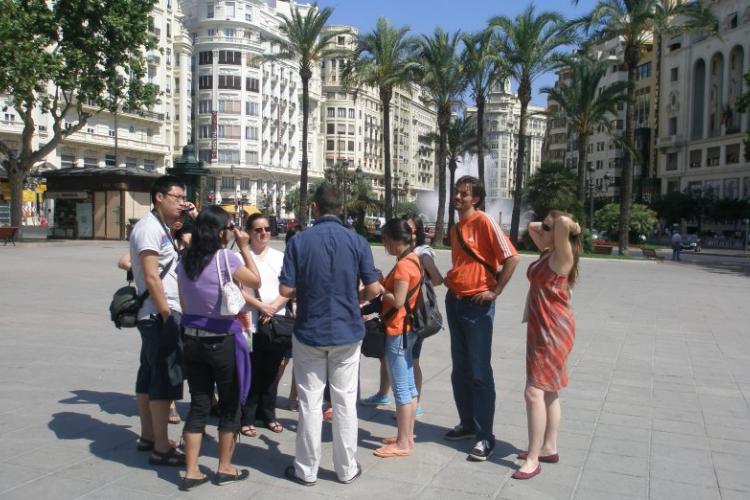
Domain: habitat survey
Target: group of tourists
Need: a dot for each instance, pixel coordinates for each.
(210, 294)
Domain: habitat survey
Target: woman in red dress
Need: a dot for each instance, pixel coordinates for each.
(550, 333)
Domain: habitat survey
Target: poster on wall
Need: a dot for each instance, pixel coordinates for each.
(84, 220)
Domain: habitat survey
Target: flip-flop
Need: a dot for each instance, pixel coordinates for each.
(393, 440)
(275, 426)
(248, 431)
(384, 453)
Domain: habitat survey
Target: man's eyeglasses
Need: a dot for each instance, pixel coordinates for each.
(261, 230)
(545, 227)
(178, 197)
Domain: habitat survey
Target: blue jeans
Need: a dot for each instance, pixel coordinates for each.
(470, 326)
(399, 363)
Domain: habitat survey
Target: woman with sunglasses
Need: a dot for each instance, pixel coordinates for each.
(214, 346)
(550, 334)
(265, 303)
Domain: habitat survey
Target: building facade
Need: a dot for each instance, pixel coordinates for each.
(352, 126)
(700, 140)
(502, 117)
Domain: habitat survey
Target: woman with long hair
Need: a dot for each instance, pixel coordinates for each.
(550, 334)
(401, 285)
(266, 303)
(215, 348)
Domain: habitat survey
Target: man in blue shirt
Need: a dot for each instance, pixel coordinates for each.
(323, 268)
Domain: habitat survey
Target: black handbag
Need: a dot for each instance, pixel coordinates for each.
(275, 335)
(373, 345)
(126, 302)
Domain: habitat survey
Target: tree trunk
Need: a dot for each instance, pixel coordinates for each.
(626, 181)
(480, 139)
(444, 118)
(302, 215)
(385, 100)
(583, 140)
(452, 165)
(16, 175)
(524, 94)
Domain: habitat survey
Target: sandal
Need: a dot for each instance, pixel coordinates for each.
(143, 444)
(275, 426)
(248, 431)
(189, 483)
(171, 458)
(222, 478)
(385, 452)
(174, 417)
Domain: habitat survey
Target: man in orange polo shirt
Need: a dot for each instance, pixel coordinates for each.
(483, 262)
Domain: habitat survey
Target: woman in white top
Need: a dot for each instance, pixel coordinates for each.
(265, 302)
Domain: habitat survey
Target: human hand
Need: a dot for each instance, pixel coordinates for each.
(241, 238)
(190, 210)
(482, 297)
(265, 319)
(165, 314)
(267, 309)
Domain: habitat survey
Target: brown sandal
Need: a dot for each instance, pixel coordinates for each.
(275, 426)
(248, 431)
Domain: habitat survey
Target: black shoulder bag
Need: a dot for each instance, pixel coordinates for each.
(126, 302)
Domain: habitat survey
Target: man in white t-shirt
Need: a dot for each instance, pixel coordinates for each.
(154, 260)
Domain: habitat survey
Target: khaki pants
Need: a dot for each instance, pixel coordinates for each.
(311, 364)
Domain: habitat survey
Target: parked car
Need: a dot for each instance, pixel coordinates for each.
(691, 242)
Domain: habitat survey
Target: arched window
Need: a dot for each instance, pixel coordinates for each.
(699, 99)
(732, 117)
(716, 95)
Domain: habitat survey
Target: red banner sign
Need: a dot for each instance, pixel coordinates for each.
(214, 135)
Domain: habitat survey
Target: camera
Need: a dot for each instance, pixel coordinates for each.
(231, 225)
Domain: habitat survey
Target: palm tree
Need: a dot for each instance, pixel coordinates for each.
(587, 107)
(440, 74)
(383, 59)
(463, 139)
(303, 40)
(530, 43)
(483, 67)
(636, 23)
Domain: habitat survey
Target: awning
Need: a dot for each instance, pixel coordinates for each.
(247, 209)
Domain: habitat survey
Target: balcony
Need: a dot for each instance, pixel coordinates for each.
(672, 141)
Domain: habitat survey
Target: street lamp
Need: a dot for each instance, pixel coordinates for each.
(395, 193)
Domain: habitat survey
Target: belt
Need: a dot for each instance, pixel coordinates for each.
(197, 332)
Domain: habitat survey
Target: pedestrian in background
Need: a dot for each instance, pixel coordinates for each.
(550, 333)
(323, 267)
(676, 244)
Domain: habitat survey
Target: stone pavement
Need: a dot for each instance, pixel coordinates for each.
(657, 405)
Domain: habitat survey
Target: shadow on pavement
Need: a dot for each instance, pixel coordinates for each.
(114, 403)
(737, 266)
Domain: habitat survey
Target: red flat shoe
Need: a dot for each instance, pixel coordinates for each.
(550, 459)
(527, 475)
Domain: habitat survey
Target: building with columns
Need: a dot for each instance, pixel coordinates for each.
(700, 139)
(502, 117)
(352, 127)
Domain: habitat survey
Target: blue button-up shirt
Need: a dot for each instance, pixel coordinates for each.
(325, 264)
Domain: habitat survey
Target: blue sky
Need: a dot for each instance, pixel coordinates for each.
(422, 16)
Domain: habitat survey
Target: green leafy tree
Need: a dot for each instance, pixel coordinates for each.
(551, 187)
(642, 220)
(384, 60)
(636, 23)
(70, 60)
(482, 67)
(440, 73)
(586, 107)
(530, 42)
(463, 139)
(304, 41)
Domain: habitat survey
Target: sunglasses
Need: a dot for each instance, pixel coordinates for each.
(545, 227)
(260, 230)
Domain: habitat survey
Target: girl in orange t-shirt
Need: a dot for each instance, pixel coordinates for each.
(405, 276)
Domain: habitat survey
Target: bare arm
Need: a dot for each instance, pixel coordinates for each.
(509, 266)
(398, 296)
(371, 291)
(562, 259)
(431, 269)
(535, 232)
(286, 291)
(124, 262)
(150, 262)
(248, 274)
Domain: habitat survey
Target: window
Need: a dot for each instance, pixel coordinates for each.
(206, 81)
(230, 57)
(204, 131)
(712, 157)
(252, 84)
(91, 162)
(204, 106)
(67, 161)
(210, 10)
(643, 71)
(350, 146)
(227, 182)
(205, 155)
(149, 165)
(229, 10)
(671, 161)
(341, 113)
(169, 30)
(674, 74)
(340, 40)
(131, 162)
(230, 32)
(351, 113)
(229, 156)
(230, 82)
(732, 188)
(109, 161)
(732, 155)
(331, 112)
(330, 145)
(673, 125)
(696, 158)
(233, 107)
(251, 133)
(251, 156)
(330, 128)
(252, 108)
(206, 57)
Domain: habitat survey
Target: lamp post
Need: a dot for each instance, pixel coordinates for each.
(395, 194)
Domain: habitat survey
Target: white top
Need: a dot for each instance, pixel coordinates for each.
(150, 234)
(269, 266)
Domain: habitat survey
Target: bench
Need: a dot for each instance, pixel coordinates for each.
(603, 249)
(650, 253)
(8, 235)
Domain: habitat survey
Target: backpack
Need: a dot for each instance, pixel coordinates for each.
(123, 310)
(425, 319)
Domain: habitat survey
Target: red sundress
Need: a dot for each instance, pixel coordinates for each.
(551, 327)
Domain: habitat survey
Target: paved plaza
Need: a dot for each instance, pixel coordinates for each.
(657, 405)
